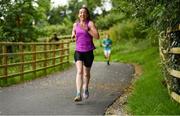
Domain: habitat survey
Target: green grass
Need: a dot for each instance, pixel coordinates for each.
(149, 95)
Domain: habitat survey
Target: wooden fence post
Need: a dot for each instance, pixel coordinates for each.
(22, 61)
(62, 51)
(54, 54)
(68, 51)
(45, 57)
(169, 48)
(34, 59)
(33, 62)
(4, 63)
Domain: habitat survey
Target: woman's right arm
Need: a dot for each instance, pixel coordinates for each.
(73, 35)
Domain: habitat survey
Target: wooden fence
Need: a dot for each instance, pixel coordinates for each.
(18, 58)
(169, 47)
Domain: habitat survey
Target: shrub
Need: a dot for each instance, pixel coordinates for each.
(130, 29)
(49, 30)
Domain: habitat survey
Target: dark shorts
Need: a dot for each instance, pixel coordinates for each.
(86, 57)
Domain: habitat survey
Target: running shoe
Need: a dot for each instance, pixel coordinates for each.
(78, 98)
(86, 94)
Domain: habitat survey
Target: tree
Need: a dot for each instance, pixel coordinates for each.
(19, 19)
(158, 13)
(57, 15)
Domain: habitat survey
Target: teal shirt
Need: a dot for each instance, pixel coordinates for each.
(107, 43)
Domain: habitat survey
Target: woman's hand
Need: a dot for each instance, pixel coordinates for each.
(93, 30)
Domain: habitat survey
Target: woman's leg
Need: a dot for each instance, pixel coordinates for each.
(105, 54)
(79, 75)
(109, 54)
(86, 79)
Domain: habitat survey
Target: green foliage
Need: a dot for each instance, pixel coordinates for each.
(151, 17)
(107, 21)
(171, 14)
(2, 34)
(152, 35)
(63, 29)
(73, 8)
(18, 20)
(57, 15)
(130, 29)
(160, 14)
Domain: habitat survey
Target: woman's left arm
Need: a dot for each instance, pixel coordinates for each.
(93, 30)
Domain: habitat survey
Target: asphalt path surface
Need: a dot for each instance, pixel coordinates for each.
(54, 94)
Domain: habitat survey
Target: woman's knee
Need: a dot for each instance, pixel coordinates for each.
(86, 73)
(80, 72)
(79, 68)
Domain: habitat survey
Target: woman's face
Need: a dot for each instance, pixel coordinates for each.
(83, 14)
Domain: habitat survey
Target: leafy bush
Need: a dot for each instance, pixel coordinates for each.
(130, 29)
(104, 22)
(58, 29)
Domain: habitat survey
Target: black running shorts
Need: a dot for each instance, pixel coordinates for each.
(86, 57)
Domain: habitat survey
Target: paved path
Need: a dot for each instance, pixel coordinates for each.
(54, 94)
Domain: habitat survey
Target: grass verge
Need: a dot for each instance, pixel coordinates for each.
(149, 96)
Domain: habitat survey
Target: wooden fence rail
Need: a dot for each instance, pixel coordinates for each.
(18, 58)
(169, 47)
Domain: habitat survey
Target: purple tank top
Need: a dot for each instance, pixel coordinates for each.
(84, 41)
